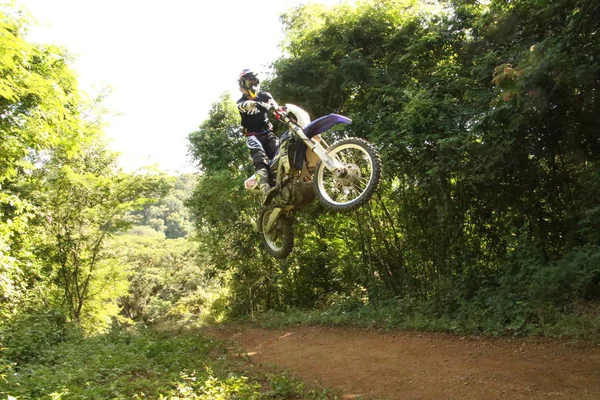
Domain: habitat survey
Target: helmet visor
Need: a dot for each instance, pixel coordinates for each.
(250, 83)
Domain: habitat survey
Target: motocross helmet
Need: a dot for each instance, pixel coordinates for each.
(249, 83)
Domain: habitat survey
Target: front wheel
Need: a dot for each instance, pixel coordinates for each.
(353, 185)
(279, 240)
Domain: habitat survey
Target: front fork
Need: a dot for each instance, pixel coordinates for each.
(331, 163)
(273, 219)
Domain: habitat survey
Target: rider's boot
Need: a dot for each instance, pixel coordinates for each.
(263, 183)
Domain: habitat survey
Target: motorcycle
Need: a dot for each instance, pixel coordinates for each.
(342, 176)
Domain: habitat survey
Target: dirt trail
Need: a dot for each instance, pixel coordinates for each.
(409, 366)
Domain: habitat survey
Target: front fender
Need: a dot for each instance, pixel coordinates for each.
(301, 116)
(325, 123)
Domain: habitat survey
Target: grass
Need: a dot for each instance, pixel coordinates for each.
(147, 365)
(150, 364)
(581, 324)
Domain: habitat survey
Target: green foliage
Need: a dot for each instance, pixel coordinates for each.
(38, 96)
(284, 386)
(168, 213)
(39, 110)
(147, 364)
(485, 116)
(61, 197)
(166, 282)
(103, 197)
(218, 144)
(33, 330)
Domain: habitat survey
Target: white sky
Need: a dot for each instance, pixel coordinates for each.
(166, 61)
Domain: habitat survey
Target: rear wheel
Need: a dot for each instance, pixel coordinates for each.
(279, 240)
(353, 185)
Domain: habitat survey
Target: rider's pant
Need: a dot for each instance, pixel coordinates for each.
(263, 148)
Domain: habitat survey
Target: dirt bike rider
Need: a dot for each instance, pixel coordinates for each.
(253, 107)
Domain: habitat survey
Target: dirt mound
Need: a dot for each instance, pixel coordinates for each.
(399, 365)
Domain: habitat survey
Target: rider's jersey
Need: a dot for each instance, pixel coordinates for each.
(255, 116)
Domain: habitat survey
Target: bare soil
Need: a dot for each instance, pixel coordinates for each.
(367, 364)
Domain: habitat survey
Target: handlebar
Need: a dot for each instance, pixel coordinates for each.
(281, 114)
(291, 115)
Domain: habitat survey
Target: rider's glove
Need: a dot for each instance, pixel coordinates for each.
(268, 106)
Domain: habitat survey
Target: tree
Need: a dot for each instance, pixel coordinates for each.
(218, 144)
(88, 199)
(484, 119)
(169, 214)
(39, 110)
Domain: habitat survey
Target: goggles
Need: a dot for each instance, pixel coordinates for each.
(250, 83)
